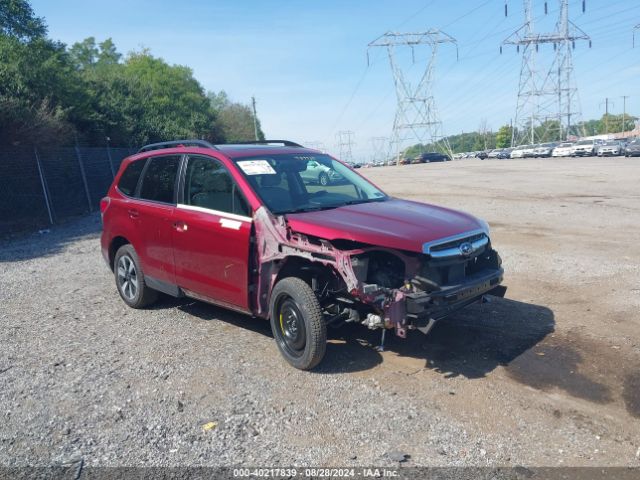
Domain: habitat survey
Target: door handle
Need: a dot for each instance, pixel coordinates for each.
(133, 213)
(180, 226)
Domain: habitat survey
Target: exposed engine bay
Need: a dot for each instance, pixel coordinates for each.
(378, 287)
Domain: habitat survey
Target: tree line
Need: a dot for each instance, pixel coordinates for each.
(90, 93)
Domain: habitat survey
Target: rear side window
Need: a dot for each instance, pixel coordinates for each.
(159, 179)
(129, 179)
(209, 185)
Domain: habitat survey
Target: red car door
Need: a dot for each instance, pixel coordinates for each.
(153, 212)
(212, 229)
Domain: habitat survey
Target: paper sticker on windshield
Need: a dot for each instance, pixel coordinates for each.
(256, 167)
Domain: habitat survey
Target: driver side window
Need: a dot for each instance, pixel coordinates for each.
(208, 184)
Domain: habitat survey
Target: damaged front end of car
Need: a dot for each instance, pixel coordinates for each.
(379, 287)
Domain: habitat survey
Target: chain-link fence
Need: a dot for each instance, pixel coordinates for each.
(42, 186)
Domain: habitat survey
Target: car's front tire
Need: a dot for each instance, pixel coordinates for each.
(130, 279)
(297, 323)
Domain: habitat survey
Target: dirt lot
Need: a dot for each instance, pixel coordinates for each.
(548, 376)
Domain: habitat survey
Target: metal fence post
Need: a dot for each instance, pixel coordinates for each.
(84, 178)
(113, 171)
(44, 186)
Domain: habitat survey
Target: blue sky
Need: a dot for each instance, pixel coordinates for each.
(306, 62)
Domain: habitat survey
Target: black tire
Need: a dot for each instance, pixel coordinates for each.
(323, 179)
(127, 268)
(297, 323)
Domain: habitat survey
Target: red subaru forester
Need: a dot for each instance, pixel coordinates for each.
(289, 234)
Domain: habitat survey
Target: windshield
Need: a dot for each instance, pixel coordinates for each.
(289, 183)
(611, 142)
(585, 142)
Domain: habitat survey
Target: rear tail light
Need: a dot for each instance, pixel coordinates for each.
(104, 204)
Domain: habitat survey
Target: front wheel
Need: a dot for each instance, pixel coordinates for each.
(297, 323)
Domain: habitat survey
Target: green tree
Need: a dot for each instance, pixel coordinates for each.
(41, 94)
(108, 54)
(236, 119)
(503, 136)
(18, 21)
(84, 54)
(144, 100)
(49, 94)
(614, 123)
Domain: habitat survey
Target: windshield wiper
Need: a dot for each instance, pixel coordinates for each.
(310, 209)
(364, 200)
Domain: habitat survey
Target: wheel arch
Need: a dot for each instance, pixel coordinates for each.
(115, 244)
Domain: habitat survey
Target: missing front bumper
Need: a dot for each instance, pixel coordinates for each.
(422, 308)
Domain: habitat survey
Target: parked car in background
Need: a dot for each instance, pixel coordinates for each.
(494, 153)
(544, 150)
(429, 157)
(504, 153)
(320, 174)
(632, 149)
(584, 148)
(530, 150)
(518, 152)
(624, 143)
(482, 155)
(609, 148)
(562, 150)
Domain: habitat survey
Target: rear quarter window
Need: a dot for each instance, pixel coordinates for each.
(158, 183)
(129, 178)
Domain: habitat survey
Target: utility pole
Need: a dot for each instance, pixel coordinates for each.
(255, 118)
(545, 94)
(416, 116)
(634, 34)
(345, 144)
(624, 115)
(606, 114)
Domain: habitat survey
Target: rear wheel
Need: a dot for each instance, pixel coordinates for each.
(297, 323)
(130, 279)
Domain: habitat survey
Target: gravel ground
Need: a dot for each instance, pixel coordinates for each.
(548, 376)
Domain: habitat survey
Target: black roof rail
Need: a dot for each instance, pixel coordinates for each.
(286, 143)
(177, 143)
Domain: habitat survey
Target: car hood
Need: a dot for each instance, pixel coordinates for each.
(395, 223)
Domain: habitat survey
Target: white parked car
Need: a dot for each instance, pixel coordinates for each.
(530, 150)
(518, 152)
(319, 173)
(562, 150)
(584, 148)
(610, 147)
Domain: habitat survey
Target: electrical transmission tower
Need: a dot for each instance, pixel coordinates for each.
(380, 148)
(416, 114)
(344, 139)
(548, 104)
